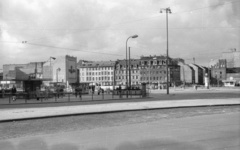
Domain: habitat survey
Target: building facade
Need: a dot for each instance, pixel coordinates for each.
(23, 76)
(122, 75)
(154, 71)
(61, 70)
(187, 73)
(148, 69)
(199, 76)
(97, 73)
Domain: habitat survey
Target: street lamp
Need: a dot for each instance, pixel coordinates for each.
(168, 10)
(51, 65)
(133, 36)
(58, 69)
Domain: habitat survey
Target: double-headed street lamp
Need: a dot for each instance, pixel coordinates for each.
(133, 36)
(168, 10)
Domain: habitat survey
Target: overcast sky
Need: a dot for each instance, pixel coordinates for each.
(98, 29)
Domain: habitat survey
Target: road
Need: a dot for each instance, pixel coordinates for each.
(198, 128)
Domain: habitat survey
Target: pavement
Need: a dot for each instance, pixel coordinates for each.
(14, 114)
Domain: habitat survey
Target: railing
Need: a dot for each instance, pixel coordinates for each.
(55, 97)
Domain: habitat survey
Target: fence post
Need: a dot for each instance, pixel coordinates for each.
(55, 95)
(92, 95)
(25, 98)
(41, 97)
(68, 96)
(112, 94)
(102, 95)
(9, 98)
(80, 95)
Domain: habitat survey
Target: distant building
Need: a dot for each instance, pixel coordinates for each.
(226, 70)
(153, 71)
(97, 73)
(232, 57)
(120, 73)
(187, 73)
(199, 76)
(23, 75)
(62, 70)
(1, 76)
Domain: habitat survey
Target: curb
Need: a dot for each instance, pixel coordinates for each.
(113, 111)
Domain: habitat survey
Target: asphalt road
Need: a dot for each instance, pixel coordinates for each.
(197, 128)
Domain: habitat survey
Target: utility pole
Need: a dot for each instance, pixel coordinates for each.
(168, 10)
(129, 66)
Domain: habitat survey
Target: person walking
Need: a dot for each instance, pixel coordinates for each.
(76, 91)
(37, 93)
(14, 91)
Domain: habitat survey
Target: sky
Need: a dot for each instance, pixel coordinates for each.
(35, 30)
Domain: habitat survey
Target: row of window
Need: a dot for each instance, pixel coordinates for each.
(99, 68)
(97, 73)
(143, 67)
(132, 83)
(153, 72)
(97, 78)
(153, 78)
(142, 78)
(155, 62)
(123, 71)
(124, 77)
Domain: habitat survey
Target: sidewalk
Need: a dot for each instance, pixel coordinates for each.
(45, 112)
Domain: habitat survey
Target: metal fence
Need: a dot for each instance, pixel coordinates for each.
(55, 97)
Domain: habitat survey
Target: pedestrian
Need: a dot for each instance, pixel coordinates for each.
(120, 91)
(93, 89)
(99, 90)
(61, 92)
(14, 91)
(37, 93)
(80, 92)
(76, 91)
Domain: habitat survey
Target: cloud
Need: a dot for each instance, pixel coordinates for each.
(103, 26)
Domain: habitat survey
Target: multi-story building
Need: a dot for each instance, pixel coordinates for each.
(154, 71)
(187, 73)
(98, 73)
(133, 72)
(232, 57)
(198, 74)
(226, 70)
(62, 69)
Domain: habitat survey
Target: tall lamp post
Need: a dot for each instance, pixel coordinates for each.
(133, 36)
(168, 10)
